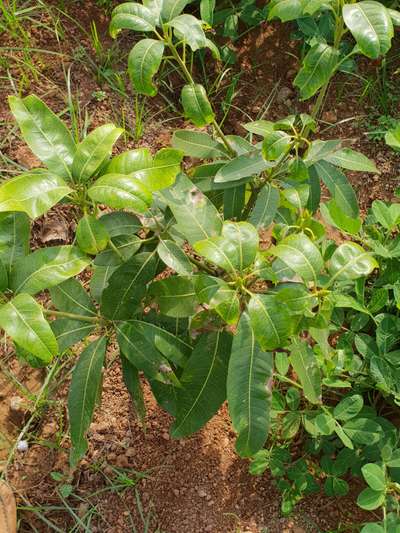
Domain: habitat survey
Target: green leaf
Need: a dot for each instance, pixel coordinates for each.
(207, 10)
(196, 105)
(325, 424)
(198, 144)
(121, 192)
(142, 353)
(370, 499)
(234, 201)
(290, 425)
(334, 216)
(319, 150)
(304, 363)
(275, 145)
(92, 237)
(188, 28)
(83, 392)
(260, 127)
(318, 66)
(394, 461)
(351, 160)
(243, 166)
(127, 245)
(175, 296)
(132, 16)
(236, 249)
(372, 527)
(285, 10)
(127, 286)
(68, 332)
(335, 487)
(350, 261)
(22, 319)
(93, 151)
(349, 407)
(174, 257)
(46, 268)
(249, 396)
(301, 255)
(387, 216)
(120, 223)
(217, 294)
(132, 383)
(45, 134)
(144, 61)
(371, 27)
(265, 207)
(162, 171)
(129, 161)
(271, 321)
(392, 137)
(14, 237)
(99, 280)
(172, 8)
(203, 383)
(339, 187)
(71, 297)
(196, 216)
(363, 430)
(33, 193)
(374, 475)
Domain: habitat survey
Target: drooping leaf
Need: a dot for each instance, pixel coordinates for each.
(121, 192)
(203, 383)
(234, 201)
(127, 286)
(91, 235)
(270, 321)
(132, 16)
(45, 134)
(304, 363)
(371, 26)
(248, 393)
(93, 151)
(22, 319)
(196, 105)
(83, 392)
(318, 67)
(144, 61)
(196, 216)
(46, 268)
(188, 28)
(301, 255)
(33, 192)
(132, 383)
(235, 249)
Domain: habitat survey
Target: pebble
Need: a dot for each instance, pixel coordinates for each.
(202, 494)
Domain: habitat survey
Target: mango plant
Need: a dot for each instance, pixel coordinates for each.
(335, 31)
(218, 286)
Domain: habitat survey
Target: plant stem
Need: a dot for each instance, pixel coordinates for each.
(115, 249)
(73, 316)
(201, 265)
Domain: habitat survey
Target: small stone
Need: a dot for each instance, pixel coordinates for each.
(130, 452)
(283, 94)
(176, 492)
(329, 116)
(16, 404)
(49, 429)
(202, 494)
(22, 446)
(165, 436)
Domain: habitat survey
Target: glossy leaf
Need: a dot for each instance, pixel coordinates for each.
(132, 383)
(175, 296)
(270, 321)
(33, 193)
(235, 249)
(162, 171)
(83, 392)
(198, 144)
(203, 383)
(349, 407)
(286, 10)
(188, 28)
(22, 319)
(370, 499)
(248, 391)
(14, 237)
(301, 255)
(131, 16)
(217, 294)
(129, 161)
(121, 192)
(120, 223)
(127, 286)
(374, 475)
(93, 151)
(92, 237)
(351, 160)
(144, 61)
(318, 67)
(371, 26)
(350, 261)
(46, 268)
(275, 145)
(243, 166)
(45, 134)
(68, 332)
(71, 297)
(172, 8)
(196, 105)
